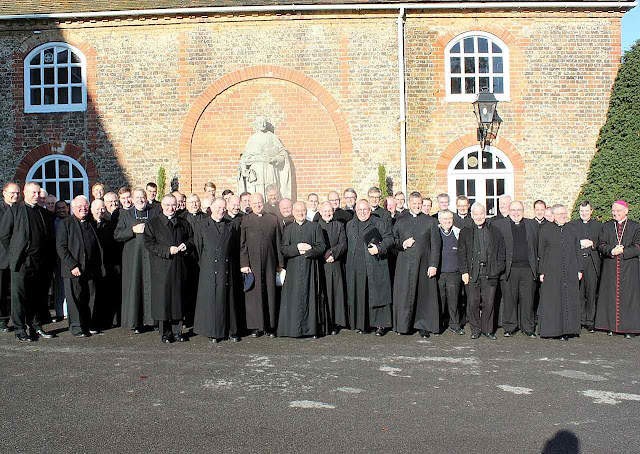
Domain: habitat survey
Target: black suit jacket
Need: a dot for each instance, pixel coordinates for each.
(15, 236)
(71, 248)
(4, 255)
(531, 228)
(593, 233)
(495, 251)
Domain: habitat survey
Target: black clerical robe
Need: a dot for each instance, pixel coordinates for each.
(339, 214)
(560, 261)
(136, 271)
(618, 308)
(191, 286)
(368, 281)
(168, 271)
(333, 273)
(303, 307)
(415, 295)
(216, 314)
(260, 241)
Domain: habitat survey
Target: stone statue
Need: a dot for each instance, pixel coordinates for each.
(264, 161)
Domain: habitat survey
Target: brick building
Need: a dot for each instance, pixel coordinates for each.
(111, 90)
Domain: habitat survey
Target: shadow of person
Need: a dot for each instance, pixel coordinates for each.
(563, 442)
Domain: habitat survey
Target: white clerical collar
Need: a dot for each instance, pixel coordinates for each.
(259, 215)
(301, 222)
(413, 214)
(463, 216)
(217, 220)
(585, 222)
(170, 217)
(540, 221)
(29, 205)
(622, 222)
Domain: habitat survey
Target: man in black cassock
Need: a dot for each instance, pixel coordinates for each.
(136, 271)
(618, 308)
(560, 268)
(518, 282)
(350, 199)
(285, 213)
(10, 194)
(260, 254)
(303, 307)
(168, 238)
(588, 231)
(375, 197)
(339, 214)
(481, 259)
(335, 238)
(369, 239)
(415, 290)
(216, 313)
(82, 267)
(28, 237)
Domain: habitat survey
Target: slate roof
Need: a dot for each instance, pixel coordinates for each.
(23, 7)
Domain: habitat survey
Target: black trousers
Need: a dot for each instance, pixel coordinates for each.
(588, 292)
(449, 289)
(170, 327)
(5, 297)
(80, 293)
(517, 298)
(480, 300)
(26, 299)
(109, 299)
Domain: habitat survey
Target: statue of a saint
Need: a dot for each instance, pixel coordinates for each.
(264, 161)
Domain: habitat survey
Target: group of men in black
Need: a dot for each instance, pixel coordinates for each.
(241, 265)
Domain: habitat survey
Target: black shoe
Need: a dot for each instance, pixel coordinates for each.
(234, 338)
(564, 338)
(80, 335)
(530, 334)
(167, 339)
(591, 329)
(272, 335)
(508, 333)
(333, 333)
(315, 336)
(180, 338)
(256, 333)
(95, 331)
(23, 337)
(424, 334)
(43, 334)
(609, 333)
(213, 340)
(381, 332)
(475, 336)
(490, 336)
(137, 331)
(629, 336)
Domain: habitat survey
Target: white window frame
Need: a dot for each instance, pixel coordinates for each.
(479, 174)
(464, 97)
(56, 178)
(48, 108)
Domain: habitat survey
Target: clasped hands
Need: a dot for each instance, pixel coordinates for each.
(173, 250)
(303, 247)
(618, 250)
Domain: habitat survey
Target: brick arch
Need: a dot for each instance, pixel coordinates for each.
(495, 30)
(47, 149)
(469, 140)
(209, 95)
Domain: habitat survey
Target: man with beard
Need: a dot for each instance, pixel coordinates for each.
(303, 308)
(369, 239)
(618, 308)
(81, 258)
(168, 238)
(333, 277)
(260, 255)
(589, 232)
(518, 282)
(10, 194)
(216, 314)
(560, 268)
(28, 237)
(415, 291)
(136, 272)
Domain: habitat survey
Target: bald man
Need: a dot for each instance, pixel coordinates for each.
(339, 214)
(618, 309)
(10, 194)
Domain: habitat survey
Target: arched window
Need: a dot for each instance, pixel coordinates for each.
(55, 79)
(61, 176)
(481, 176)
(476, 61)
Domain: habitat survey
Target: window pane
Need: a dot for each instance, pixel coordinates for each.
(49, 96)
(487, 161)
(495, 49)
(498, 85)
(500, 190)
(469, 85)
(36, 60)
(76, 95)
(76, 75)
(78, 188)
(74, 58)
(472, 160)
(483, 65)
(471, 201)
(37, 175)
(63, 169)
(500, 164)
(471, 188)
(490, 187)
(34, 77)
(456, 86)
(468, 45)
(459, 187)
(456, 48)
(50, 169)
(483, 46)
(497, 65)
(460, 164)
(48, 76)
(76, 172)
(63, 95)
(51, 188)
(63, 56)
(63, 75)
(484, 83)
(48, 56)
(455, 65)
(491, 207)
(35, 97)
(65, 193)
(469, 65)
